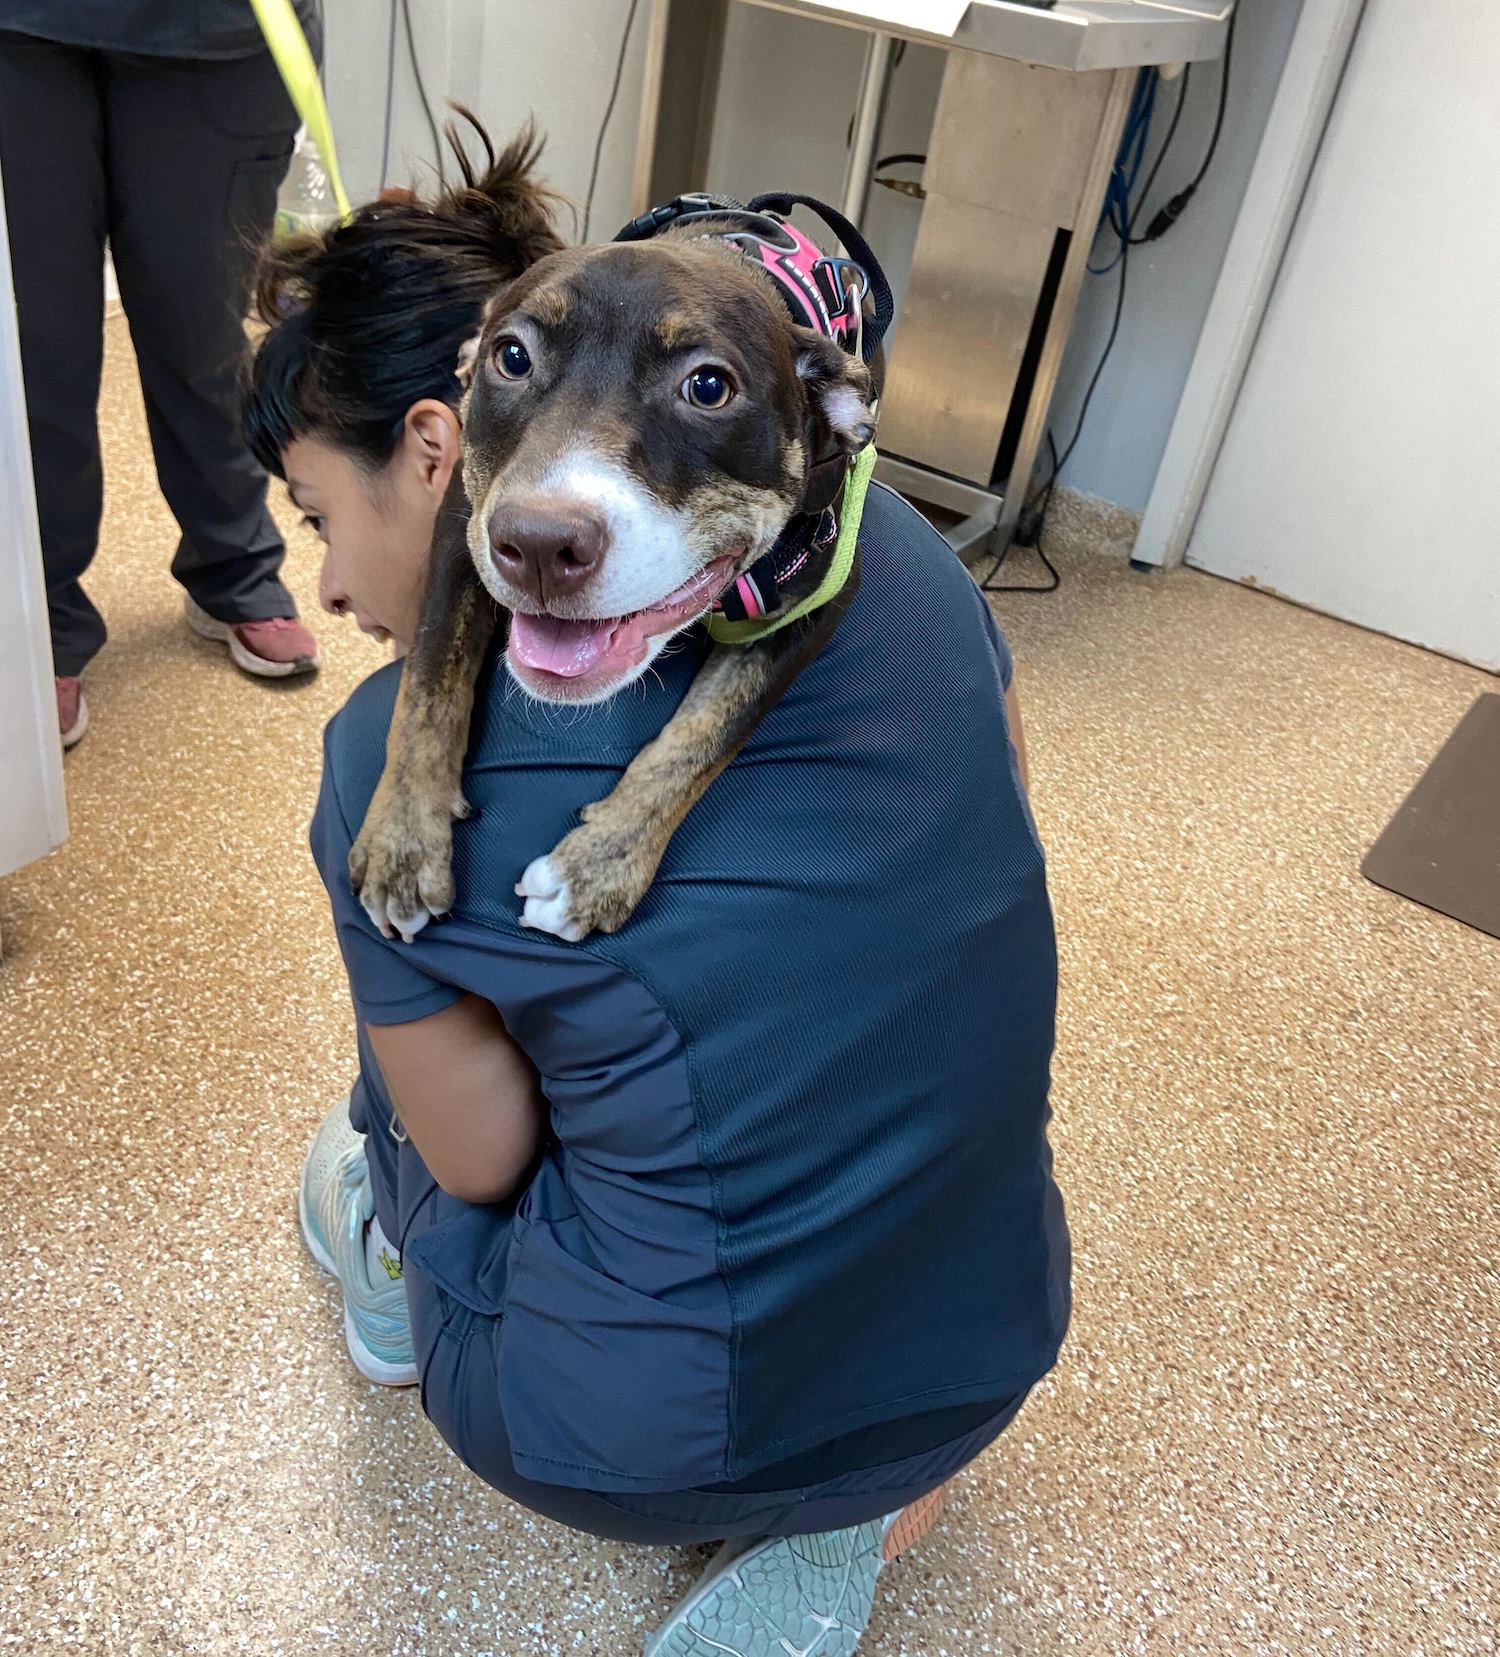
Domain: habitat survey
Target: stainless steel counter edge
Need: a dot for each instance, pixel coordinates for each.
(1078, 34)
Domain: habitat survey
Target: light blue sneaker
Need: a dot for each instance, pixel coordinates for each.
(337, 1209)
(791, 1596)
(795, 1596)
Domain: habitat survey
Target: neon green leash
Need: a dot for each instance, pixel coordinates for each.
(279, 24)
(852, 508)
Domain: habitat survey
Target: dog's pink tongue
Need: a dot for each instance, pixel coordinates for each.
(551, 645)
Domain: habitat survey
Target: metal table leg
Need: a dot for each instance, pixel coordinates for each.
(684, 49)
(868, 109)
(1039, 405)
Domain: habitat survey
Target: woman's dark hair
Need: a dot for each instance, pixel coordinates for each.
(368, 317)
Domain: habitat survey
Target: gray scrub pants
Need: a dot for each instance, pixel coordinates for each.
(177, 162)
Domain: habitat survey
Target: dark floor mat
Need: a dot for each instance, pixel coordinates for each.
(1442, 848)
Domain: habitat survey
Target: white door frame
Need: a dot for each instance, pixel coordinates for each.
(1294, 129)
(33, 810)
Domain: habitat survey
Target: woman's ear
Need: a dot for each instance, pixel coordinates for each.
(433, 443)
(839, 389)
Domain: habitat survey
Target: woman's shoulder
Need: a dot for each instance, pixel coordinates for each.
(919, 635)
(354, 739)
(919, 613)
(915, 571)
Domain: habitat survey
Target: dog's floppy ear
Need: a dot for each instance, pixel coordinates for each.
(468, 355)
(468, 352)
(840, 390)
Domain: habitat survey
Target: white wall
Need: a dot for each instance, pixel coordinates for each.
(506, 59)
(789, 84)
(1170, 282)
(788, 87)
(1356, 474)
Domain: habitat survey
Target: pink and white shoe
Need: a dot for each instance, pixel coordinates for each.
(72, 710)
(276, 649)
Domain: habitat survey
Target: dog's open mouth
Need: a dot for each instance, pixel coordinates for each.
(573, 656)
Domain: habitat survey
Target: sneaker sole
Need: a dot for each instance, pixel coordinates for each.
(75, 732)
(364, 1360)
(375, 1369)
(913, 1522)
(220, 632)
(781, 1596)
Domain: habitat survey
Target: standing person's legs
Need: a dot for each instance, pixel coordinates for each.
(197, 151)
(52, 157)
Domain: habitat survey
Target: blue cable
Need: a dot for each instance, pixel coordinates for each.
(1118, 211)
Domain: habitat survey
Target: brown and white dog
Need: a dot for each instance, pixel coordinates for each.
(641, 424)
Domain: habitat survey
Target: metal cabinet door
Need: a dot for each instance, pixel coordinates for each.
(33, 816)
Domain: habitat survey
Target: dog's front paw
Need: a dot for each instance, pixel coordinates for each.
(588, 883)
(401, 864)
(548, 905)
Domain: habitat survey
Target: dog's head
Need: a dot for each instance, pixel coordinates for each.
(638, 429)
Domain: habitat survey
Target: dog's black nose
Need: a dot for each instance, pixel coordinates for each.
(546, 547)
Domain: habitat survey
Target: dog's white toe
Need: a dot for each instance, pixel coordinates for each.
(374, 907)
(389, 920)
(547, 907)
(410, 925)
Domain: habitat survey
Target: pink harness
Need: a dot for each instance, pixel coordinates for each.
(824, 293)
(821, 292)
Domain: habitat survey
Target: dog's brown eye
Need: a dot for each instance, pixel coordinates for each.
(512, 359)
(707, 388)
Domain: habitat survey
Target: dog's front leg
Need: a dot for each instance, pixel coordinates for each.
(401, 864)
(595, 876)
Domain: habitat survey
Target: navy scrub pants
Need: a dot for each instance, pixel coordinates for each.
(177, 162)
(457, 1356)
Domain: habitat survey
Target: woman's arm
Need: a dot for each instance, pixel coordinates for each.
(466, 1094)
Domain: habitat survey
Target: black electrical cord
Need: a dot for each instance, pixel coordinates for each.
(390, 97)
(1109, 345)
(1029, 534)
(903, 186)
(1033, 518)
(416, 69)
(609, 109)
(1168, 214)
(1213, 142)
(1166, 144)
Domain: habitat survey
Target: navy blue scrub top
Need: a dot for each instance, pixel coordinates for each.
(800, 1182)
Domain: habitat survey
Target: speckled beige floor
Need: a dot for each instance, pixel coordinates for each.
(1274, 1429)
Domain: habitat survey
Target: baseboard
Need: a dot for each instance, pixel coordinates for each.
(1090, 524)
